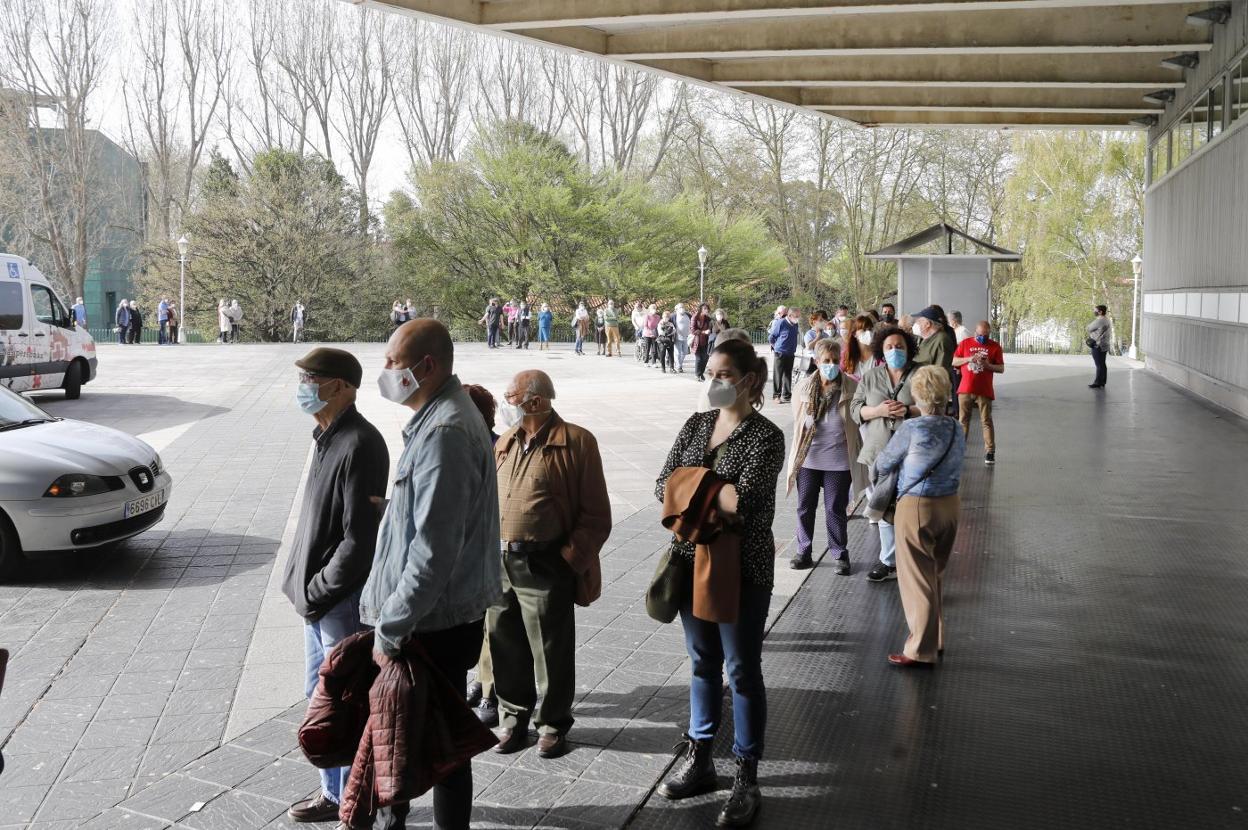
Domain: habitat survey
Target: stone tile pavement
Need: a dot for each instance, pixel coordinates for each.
(160, 685)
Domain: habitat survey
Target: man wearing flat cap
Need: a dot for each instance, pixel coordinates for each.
(333, 549)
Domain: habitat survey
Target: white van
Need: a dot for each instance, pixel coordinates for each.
(41, 347)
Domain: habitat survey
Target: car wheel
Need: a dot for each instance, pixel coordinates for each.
(11, 558)
(73, 381)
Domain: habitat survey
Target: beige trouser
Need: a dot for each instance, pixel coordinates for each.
(485, 670)
(925, 529)
(613, 340)
(965, 402)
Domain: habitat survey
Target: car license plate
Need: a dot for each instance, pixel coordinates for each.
(145, 505)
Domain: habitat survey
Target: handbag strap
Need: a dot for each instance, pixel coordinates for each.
(953, 435)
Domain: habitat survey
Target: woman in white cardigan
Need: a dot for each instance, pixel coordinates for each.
(826, 443)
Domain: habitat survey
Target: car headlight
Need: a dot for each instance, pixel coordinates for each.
(83, 485)
(158, 466)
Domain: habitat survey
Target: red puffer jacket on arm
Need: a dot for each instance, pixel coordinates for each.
(416, 728)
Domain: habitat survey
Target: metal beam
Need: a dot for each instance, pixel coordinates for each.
(557, 14)
(1001, 120)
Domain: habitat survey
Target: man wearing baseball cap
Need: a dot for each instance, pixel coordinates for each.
(337, 532)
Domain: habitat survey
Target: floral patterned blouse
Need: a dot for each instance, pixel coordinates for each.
(751, 462)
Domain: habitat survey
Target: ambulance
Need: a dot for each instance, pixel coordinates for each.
(40, 348)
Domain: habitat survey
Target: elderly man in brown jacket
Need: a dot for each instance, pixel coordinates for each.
(554, 518)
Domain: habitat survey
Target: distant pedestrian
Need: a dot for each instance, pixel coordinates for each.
(545, 324)
(122, 321)
(80, 314)
(1098, 341)
(926, 454)
(825, 443)
(682, 322)
(298, 319)
(162, 320)
(223, 321)
(888, 314)
(136, 323)
(524, 320)
(492, 320)
(638, 319)
(175, 323)
(554, 517)
(860, 330)
(841, 321)
(819, 330)
(337, 530)
(665, 342)
(960, 332)
(398, 314)
(700, 331)
(581, 326)
(650, 333)
(934, 344)
(612, 319)
(600, 331)
(721, 325)
(784, 337)
(978, 358)
(236, 321)
(513, 321)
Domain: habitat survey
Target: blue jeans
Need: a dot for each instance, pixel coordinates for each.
(888, 544)
(319, 638)
(711, 646)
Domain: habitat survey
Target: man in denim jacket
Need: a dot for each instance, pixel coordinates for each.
(437, 567)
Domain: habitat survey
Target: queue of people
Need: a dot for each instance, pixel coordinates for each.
(489, 541)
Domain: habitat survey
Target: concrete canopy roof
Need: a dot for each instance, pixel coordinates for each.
(951, 63)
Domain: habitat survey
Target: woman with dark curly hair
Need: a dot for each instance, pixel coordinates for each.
(746, 451)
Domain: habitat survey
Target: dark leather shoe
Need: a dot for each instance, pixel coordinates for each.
(474, 695)
(487, 711)
(552, 745)
(903, 660)
(512, 740)
(316, 810)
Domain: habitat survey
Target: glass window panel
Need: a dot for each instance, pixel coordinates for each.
(1181, 143)
(1200, 123)
(1215, 107)
(1240, 107)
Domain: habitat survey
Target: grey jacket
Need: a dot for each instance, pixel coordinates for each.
(875, 388)
(1099, 330)
(438, 563)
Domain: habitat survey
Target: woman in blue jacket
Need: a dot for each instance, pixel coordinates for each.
(544, 322)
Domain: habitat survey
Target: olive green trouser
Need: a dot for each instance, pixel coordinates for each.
(533, 642)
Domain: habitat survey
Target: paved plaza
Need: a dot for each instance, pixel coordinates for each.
(1093, 679)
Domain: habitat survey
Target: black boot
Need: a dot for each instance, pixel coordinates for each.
(743, 803)
(694, 775)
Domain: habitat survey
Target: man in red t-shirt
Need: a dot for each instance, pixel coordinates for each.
(978, 358)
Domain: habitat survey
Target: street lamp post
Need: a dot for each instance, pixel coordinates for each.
(184, 245)
(1136, 267)
(701, 274)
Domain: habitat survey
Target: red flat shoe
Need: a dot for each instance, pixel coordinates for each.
(903, 660)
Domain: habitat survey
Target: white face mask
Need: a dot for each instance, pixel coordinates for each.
(916, 331)
(864, 337)
(397, 385)
(511, 414)
(722, 394)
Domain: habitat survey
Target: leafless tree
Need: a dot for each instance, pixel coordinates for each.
(149, 93)
(366, 94)
(263, 108)
(54, 201)
(307, 42)
(433, 90)
(520, 83)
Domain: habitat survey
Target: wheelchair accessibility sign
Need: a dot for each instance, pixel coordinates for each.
(15, 270)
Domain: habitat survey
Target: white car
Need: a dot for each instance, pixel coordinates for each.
(69, 486)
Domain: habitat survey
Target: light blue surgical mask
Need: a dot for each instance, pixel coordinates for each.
(895, 358)
(830, 371)
(308, 396)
